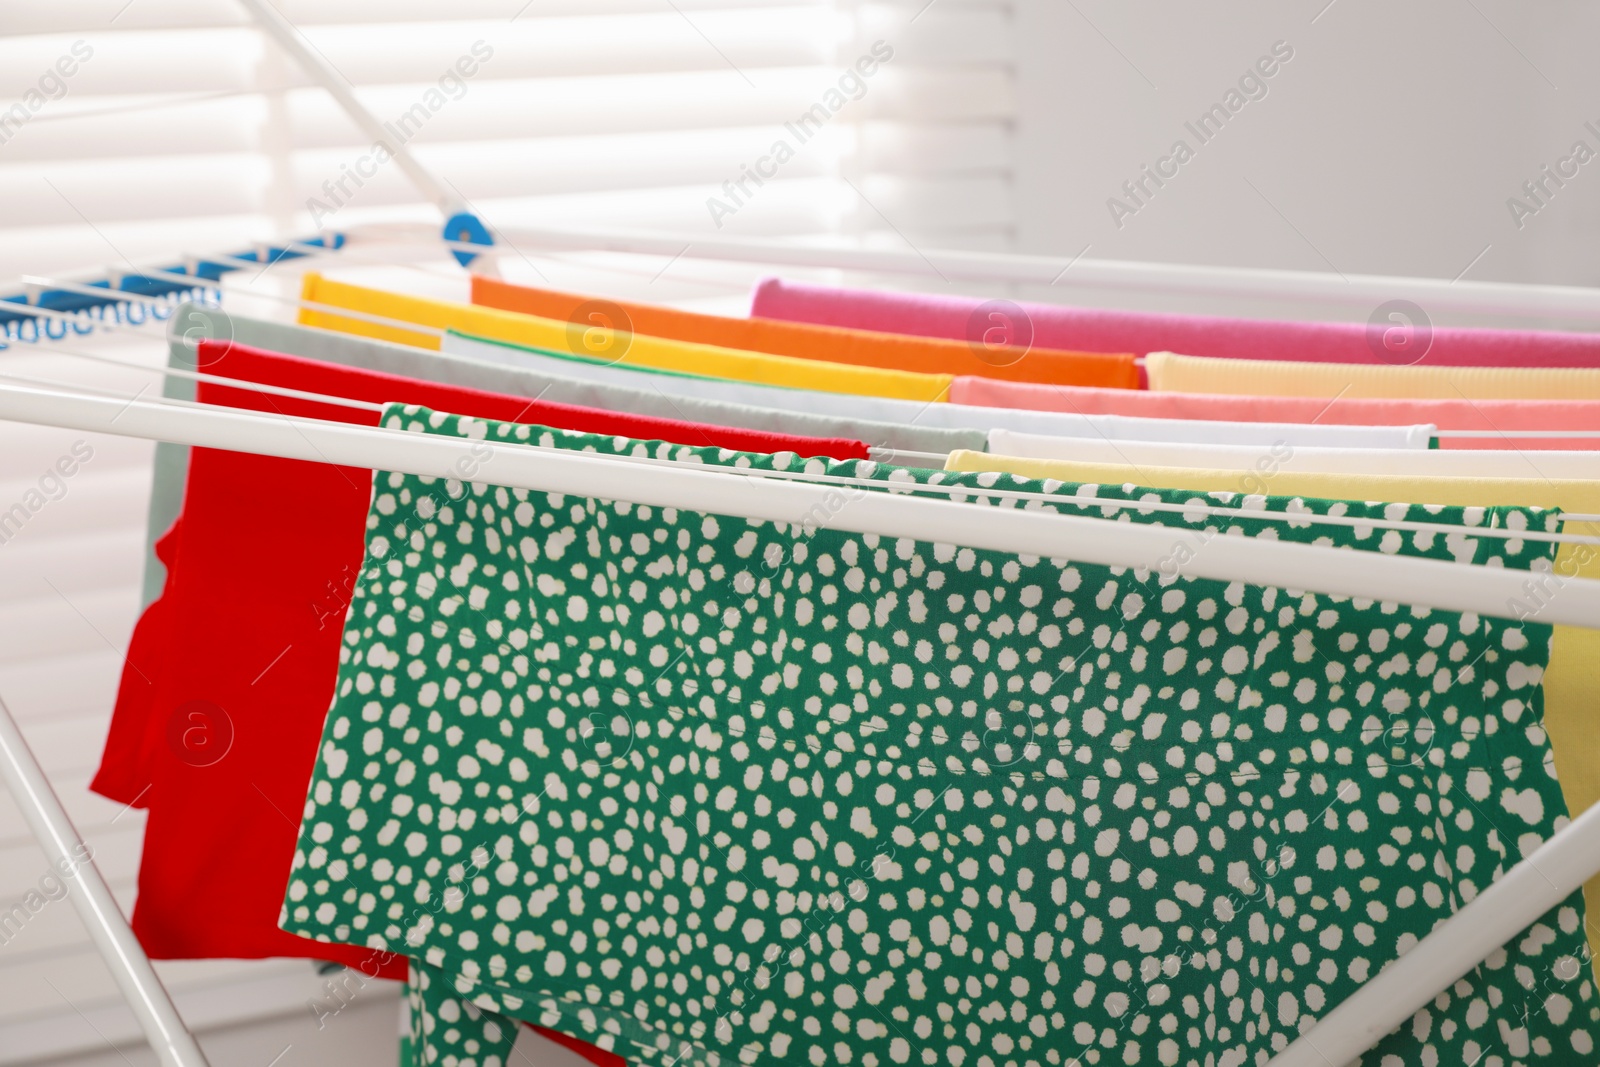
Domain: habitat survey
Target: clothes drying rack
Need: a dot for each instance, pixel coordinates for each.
(1385, 1001)
(1518, 898)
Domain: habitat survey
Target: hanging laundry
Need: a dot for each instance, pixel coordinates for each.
(954, 416)
(633, 349)
(575, 763)
(240, 653)
(860, 347)
(1497, 418)
(681, 385)
(498, 376)
(1573, 675)
(166, 496)
(1113, 330)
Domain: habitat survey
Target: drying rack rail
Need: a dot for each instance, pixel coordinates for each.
(41, 313)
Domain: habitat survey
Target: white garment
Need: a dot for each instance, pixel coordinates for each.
(950, 416)
(1288, 456)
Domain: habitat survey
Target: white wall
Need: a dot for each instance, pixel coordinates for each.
(1389, 144)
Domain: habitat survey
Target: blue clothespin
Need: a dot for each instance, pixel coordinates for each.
(467, 228)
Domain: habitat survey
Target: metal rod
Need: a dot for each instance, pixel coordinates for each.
(1460, 943)
(211, 379)
(174, 1045)
(323, 73)
(1363, 291)
(1492, 591)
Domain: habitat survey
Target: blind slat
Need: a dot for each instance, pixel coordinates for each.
(602, 113)
(96, 15)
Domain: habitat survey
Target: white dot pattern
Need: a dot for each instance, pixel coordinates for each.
(707, 790)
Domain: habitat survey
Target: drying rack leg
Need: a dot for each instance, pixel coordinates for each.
(1541, 881)
(174, 1045)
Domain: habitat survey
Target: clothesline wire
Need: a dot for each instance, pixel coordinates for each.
(57, 383)
(219, 379)
(328, 309)
(571, 258)
(574, 259)
(306, 250)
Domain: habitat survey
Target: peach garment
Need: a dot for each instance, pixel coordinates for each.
(834, 344)
(637, 350)
(1171, 372)
(1572, 680)
(1496, 417)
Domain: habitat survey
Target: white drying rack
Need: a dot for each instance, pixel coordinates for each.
(1524, 893)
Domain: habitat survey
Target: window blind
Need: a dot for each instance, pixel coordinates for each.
(139, 131)
(617, 112)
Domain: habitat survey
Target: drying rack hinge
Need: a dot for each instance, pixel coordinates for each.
(466, 228)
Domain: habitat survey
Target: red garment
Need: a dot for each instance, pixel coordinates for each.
(123, 775)
(241, 653)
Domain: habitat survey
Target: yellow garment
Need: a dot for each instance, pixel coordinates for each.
(1572, 681)
(1172, 373)
(640, 350)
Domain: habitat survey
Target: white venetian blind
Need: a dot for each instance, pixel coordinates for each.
(604, 113)
(579, 112)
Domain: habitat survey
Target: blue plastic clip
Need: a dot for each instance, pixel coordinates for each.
(466, 228)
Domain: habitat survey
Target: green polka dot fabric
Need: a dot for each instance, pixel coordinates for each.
(704, 790)
(446, 1030)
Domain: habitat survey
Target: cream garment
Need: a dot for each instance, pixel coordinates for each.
(1170, 372)
(1572, 681)
(1285, 455)
(950, 416)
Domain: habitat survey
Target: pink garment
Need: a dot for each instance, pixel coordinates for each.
(1499, 415)
(1099, 330)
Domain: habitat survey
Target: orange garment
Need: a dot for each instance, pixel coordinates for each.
(834, 344)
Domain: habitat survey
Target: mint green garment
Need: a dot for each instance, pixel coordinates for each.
(198, 321)
(706, 790)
